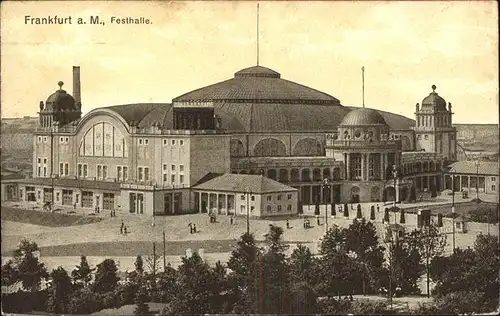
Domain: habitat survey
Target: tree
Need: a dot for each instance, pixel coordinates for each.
(198, 288)
(302, 264)
(362, 239)
(166, 285)
(9, 273)
(243, 264)
(29, 270)
(139, 265)
(141, 297)
(405, 265)
(273, 274)
(106, 278)
(468, 269)
(60, 291)
(83, 273)
(338, 271)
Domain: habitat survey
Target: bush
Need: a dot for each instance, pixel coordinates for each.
(85, 302)
(24, 302)
(462, 302)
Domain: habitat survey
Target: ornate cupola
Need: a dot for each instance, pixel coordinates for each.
(61, 108)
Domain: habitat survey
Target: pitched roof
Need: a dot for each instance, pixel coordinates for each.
(243, 183)
(470, 167)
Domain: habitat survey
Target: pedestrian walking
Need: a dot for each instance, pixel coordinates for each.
(231, 219)
(317, 219)
(378, 208)
(287, 224)
(190, 225)
(121, 228)
(125, 230)
(194, 228)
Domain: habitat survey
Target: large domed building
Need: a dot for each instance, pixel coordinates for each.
(161, 158)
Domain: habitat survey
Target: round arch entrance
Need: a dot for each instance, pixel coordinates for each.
(354, 194)
(389, 194)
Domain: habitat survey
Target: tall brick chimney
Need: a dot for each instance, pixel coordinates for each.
(76, 86)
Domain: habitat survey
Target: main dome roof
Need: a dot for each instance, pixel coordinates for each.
(257, 100)
(258, 85)
(363, 116)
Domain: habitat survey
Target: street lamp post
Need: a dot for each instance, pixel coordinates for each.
(394, 176)
(248, 212)
(326, 186)
(153, 221)
(453, 207)
(477, 180)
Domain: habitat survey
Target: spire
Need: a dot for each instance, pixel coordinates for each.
(257, 34)
(363, 83)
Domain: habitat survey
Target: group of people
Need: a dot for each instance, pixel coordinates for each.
(192, 228)
(307, 223)
(123, 229)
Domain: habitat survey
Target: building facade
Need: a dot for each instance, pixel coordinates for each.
(149, 158)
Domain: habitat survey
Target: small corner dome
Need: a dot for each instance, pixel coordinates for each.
(434, 100)
(60, 100)
(363, 116)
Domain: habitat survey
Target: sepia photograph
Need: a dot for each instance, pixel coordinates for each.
(249, 157)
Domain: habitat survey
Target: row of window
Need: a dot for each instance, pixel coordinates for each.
(173, 168)
(269, 197)
(279, 208)
(62, 140)
(145, 141)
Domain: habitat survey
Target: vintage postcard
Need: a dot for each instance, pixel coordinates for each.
(249, 157)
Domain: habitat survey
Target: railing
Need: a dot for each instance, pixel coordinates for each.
(363, 143)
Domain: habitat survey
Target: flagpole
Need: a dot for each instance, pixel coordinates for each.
(363, 83)
(257, 34)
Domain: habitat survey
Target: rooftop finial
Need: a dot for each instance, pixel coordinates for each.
(433, 88)
(60, 84)
(257, 34)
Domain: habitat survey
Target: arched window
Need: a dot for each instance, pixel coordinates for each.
(237, 149)
(294, 175)
(306, 175)
(270, 147)
(308, 147)
(283, 175)
(336, 174)
(271, 174)
(103, 140)
(326, 173)
(317, 174)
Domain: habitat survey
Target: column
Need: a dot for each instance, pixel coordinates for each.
(348, 164)
(382, 171)
(397, 190)
(199, 202)
(363, 167)
(208, 203)
(468, 184)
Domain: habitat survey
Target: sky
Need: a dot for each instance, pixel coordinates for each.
(405, 47)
